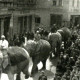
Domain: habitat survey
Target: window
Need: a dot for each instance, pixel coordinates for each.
(37, 19)
(77, 3)
(5, 4)
(31, 1)
(60, 2)
(54, 2)
(73, 3)
(20, 0)
(56, 19)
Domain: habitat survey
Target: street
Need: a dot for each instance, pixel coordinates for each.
(49, 72)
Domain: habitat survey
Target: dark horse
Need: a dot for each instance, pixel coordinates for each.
(66, 35)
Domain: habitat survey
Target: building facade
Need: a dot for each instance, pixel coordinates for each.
(74, 12)
(60, 12)
(15, 16)
(19, 16)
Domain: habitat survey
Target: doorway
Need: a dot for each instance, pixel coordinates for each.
(6, 27)
(55, 19)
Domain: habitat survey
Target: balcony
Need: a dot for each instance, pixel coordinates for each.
(6, 1)
(17, 4)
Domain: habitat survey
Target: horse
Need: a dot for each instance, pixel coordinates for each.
(18, 61)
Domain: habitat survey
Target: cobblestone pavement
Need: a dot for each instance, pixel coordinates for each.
(50, 71)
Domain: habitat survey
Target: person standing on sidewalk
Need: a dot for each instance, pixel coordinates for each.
(3, 48)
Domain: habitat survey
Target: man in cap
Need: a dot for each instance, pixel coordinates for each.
(37, 36)
(3, 48)
(42, 76)
(3, 43)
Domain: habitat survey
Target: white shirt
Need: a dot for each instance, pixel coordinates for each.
(25, 41)
(4, 44)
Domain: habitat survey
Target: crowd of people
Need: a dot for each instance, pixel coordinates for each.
(18, 39)
(68, 66)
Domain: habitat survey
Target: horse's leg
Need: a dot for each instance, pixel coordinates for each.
(58, 50)
(0, 73)
(44, 64)
(18, 76)
(1, 62)
(0, 67)
(26, 71)
(11, 76)
(65, 45)
(35, 68)
(52, 53)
